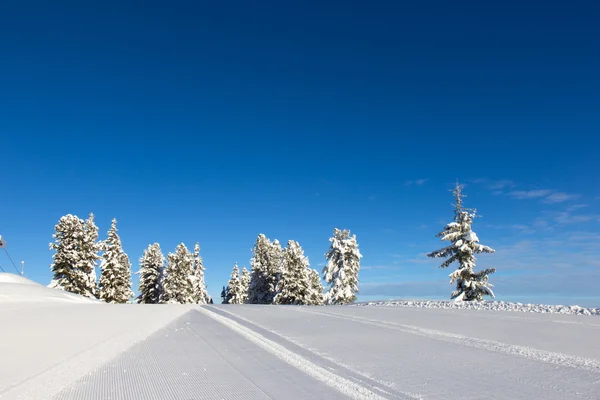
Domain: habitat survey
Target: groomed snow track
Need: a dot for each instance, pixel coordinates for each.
(92, 351)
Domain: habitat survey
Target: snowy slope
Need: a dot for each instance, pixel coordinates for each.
(17, 289)
(99, 351)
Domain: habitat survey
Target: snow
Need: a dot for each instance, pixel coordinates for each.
(18, 289)
(151, 352)
(484, 305)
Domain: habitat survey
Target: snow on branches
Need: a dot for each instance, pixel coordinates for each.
(470, 285)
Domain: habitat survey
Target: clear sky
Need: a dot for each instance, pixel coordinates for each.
(216, 121)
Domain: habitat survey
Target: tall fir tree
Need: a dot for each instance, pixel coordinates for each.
(470, 285)
(177, 286)
(341, 271)
(294, 286)
(152, 266)
(316, 288)
(266, 267)
(235, 290)
(114, 285)
(199, 286)
(245, 281)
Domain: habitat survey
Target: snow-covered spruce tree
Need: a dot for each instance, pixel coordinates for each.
(266, 264)
(316, 288)
(177, 287)
(235, 290)
(66, 267)
(245, 281)
(90, 247)
(294, 286)
(152, 265)
(197, 280)
(114, 285)
(341, 271)
(470, 285)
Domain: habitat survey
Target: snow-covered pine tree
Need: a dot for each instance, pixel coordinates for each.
(276, 262)
(294, 286)
(66, 269)
(114, 285)
(177, 287)
(152, 266)
(245, 281)
(235, 290)
(224, 295)
(263, 277)
(199, 286)
(470, 285)
(88, 253)
(316, 288)
(341, 271)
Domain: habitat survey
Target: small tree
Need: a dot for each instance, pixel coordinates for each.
(294, 286)
(224, 295)
(152, 265)
(197, 280)
(177, 285)
(470, 285)
(266, 262)
(316, 288)
(235, 290)
(341, 271)
(90, 247)
(245, 282)
(114, 285)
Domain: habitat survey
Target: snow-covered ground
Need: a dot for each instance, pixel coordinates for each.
(485, 305)
(17, 289)
(68, 351)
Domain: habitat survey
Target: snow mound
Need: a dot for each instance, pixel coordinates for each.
(18, 289)
(14, 278)
(485, 305)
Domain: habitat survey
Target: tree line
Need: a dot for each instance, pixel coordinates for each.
(284, 276)
(277, 275)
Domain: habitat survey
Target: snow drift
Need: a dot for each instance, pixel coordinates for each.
(18, 289)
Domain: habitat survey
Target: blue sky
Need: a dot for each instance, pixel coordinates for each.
(190, 121)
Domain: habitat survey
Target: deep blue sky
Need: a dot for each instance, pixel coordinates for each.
(197, 121)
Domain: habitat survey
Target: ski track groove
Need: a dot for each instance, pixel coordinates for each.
(387, 385)
(560, 359)
(343, 385)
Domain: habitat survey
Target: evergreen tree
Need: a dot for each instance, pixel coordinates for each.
(224, 295)
(177, 286)
(90, 247)
(470, 285)
(152, 266)
(341, 271)
(294, 286)
(245, 281)
(114, 285)
(76, 249)
(66, 268)
(199, 286)
(316, 288)
(235, 290)
(276, 264)
(266, 264)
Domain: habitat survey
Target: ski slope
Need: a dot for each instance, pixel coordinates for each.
(67, 351)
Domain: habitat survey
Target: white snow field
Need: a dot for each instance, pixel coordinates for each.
(68, 351)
